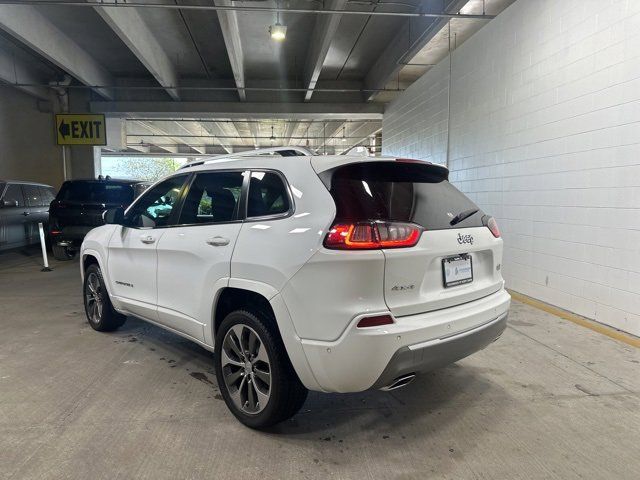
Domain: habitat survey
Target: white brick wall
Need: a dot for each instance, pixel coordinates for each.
(416, 125)
(545, 135)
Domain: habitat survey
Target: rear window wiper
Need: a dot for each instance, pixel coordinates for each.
(462, 215)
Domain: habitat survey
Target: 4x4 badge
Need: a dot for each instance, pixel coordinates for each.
(400, 288)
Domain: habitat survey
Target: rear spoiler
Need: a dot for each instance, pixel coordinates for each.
(426, 171)
(320, 163)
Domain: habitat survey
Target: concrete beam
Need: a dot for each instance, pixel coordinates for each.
(231, 33)
(237, 129)
(289, 131)
(254, 132)
(34, 30)
(323, 32)
(191, 129)
(154, 129)
(14, 70)
(134, 32)
(140, 148)
(238, 110)
(217, 130)
(414, 33)
(361, 130)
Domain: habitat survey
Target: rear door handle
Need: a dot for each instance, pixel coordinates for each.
(218, 241)
(147, 239)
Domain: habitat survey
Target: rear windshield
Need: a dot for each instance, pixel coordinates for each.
(406, 192)
(96, 192)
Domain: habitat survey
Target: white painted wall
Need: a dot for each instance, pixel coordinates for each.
(545, 135)
(415, 124)
(27, 143)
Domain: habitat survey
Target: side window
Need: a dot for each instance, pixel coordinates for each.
(47, 194)
(155, 206)
(139, 188)
(213, 198)
(14, 195)
(32, 195)
(267, 195)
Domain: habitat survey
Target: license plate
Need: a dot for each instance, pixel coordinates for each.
(457, 270)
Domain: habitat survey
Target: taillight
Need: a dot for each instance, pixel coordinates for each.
(493, 226)
(372, 235)
(375, 321)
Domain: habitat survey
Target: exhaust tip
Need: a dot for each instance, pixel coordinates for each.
(401, 381)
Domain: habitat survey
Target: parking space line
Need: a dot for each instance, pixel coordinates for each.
(577, 319)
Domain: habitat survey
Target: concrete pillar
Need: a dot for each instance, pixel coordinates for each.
(27, 144)
(81, 159)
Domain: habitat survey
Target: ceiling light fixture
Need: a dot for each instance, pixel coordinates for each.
(278, 31)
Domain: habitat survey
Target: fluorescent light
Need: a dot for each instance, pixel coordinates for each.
(278, 32)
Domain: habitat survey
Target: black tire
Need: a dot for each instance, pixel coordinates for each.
(62, 253)
(286, 392)
(96, 299)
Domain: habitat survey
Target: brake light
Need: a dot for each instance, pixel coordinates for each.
(372, 235)
(493, 226)
(412, 160)
(55, 232)
(375, 321)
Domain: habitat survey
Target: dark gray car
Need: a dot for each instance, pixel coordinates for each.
(22, 206)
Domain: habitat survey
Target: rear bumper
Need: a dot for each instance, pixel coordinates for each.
(72, 235)
(440, 352)
(364, 358)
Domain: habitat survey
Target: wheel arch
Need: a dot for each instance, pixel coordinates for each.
(268, 299)
(236, 298)
(90, 257)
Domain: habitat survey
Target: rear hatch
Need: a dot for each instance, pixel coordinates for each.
(82, 202)
(456, 258)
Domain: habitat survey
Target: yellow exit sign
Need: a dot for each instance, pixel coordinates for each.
(80, 129)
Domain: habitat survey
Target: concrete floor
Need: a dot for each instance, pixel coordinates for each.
(549, 400)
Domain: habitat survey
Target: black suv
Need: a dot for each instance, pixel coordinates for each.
(79, 206)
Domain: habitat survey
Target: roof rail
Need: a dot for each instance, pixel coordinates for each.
(290, 151)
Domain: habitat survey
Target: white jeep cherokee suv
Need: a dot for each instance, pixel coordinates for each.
(303, 272)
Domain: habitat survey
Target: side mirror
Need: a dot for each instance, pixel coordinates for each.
(9, 203)
(114, 216)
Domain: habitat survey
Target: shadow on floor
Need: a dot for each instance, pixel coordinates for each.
(428, 395)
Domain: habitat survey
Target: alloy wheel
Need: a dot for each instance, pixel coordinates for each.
(246, 369)
(93, 296)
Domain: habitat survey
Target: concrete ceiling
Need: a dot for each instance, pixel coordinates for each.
(182, 74)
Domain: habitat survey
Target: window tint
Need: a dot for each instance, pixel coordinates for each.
(96, 192)
(213, 198)
(14, 194)
(267, 195)
(47, 194)
(154, 207)
(407, 192)
(138, 188)
(32, 195)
